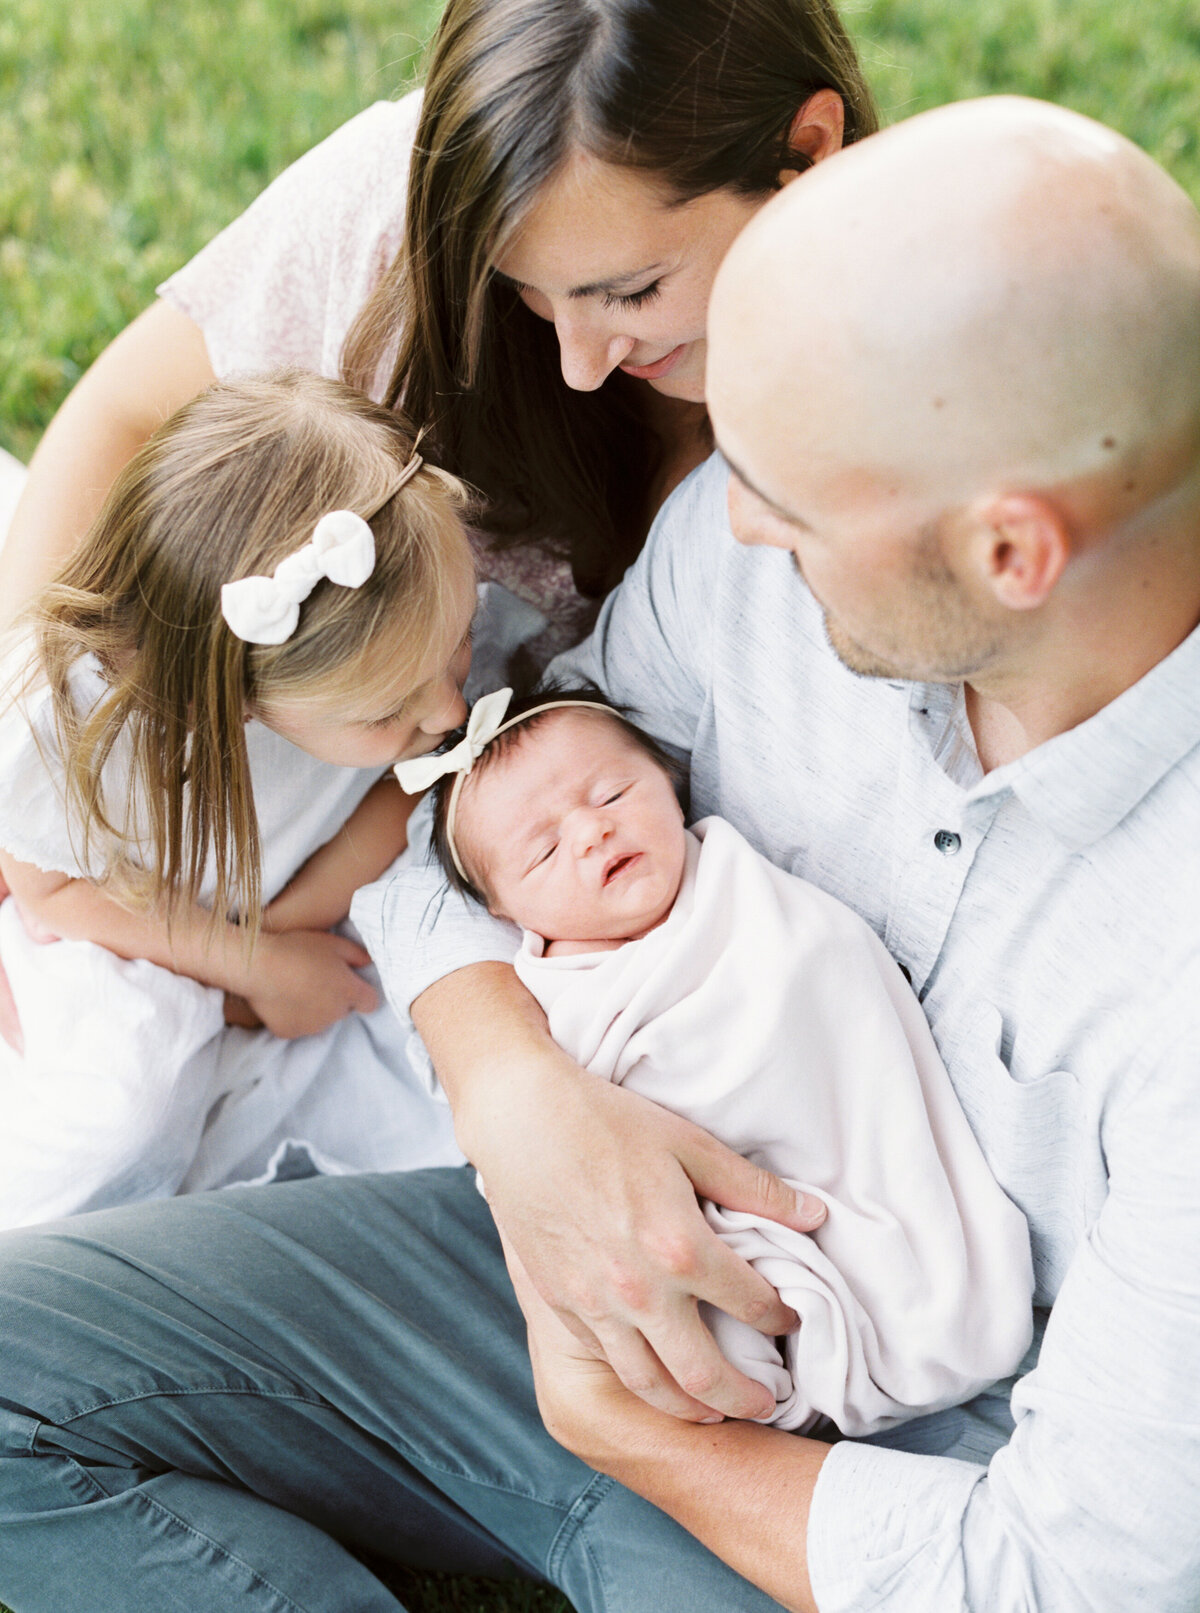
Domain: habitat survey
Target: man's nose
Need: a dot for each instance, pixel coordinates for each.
(753, 521)
(588, 356)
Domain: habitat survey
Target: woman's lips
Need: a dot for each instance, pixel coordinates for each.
(660, 367)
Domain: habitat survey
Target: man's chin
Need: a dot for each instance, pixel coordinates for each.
(855, 658)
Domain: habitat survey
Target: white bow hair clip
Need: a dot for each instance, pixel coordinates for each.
(266, 610)
(486, 721)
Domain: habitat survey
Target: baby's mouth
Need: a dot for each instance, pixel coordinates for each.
(618, 866)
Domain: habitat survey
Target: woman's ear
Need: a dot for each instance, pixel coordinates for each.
(817, 130)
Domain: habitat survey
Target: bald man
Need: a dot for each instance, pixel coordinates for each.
(956, 373)
(951, 675)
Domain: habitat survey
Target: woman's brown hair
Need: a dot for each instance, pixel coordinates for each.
(231, 484)
(700, 94)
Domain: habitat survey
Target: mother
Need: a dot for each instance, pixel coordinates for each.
(579, 167)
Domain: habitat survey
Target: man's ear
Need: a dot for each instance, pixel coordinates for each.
(817, 130)
(1023, 544)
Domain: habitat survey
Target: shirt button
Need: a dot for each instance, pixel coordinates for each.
(947, 842)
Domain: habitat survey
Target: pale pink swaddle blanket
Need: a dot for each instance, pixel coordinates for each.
(772, 1015)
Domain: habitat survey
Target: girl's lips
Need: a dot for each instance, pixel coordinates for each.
(660, 367)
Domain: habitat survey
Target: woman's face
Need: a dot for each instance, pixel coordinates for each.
(624, 275)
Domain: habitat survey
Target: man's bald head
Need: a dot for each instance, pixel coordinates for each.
(1000, 295)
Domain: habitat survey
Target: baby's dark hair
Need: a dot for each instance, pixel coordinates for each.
(585, 694)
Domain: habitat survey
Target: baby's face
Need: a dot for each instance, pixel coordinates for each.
(576, 832)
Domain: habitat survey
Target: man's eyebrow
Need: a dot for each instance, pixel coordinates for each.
(778, 509)
(614, 283)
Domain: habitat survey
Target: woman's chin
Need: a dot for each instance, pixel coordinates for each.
(686, 384)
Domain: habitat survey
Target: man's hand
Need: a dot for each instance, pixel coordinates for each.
(580, 1397)
(305, 980)
(596, 1189)
(742, 1489)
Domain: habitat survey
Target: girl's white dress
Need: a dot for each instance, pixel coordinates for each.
(770, 1014)
(131, 1086)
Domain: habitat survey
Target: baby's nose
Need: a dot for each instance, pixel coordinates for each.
(589, 829)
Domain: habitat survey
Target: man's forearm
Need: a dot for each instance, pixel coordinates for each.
(477, 1024)
(742, 1489)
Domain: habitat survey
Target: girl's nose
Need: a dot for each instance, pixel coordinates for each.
(447, 709)
(588, 356)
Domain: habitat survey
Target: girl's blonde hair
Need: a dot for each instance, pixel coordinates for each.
(232, 483)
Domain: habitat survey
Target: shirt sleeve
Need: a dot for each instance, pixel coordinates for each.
(33, 817)
(282, 284)
(646, 652)
(1092, 1504)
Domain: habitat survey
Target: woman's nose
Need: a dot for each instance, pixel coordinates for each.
(588, 356)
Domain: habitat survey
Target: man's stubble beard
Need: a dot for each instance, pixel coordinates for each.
(942, 637)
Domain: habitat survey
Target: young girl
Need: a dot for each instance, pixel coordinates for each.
(272, 608)
(685, 966)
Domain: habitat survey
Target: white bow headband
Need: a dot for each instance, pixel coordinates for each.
(486, 721)
(266, 610)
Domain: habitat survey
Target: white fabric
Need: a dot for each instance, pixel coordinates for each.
(266, 610)
(282, 284)
(770, 1014)
(130, 1085)
(485, 721)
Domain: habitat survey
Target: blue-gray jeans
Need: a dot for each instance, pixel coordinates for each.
(205, 1401)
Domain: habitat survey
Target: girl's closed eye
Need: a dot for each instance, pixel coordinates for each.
(633, 299)
(392, 717)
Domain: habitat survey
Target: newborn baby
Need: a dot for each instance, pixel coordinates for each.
(683, 964)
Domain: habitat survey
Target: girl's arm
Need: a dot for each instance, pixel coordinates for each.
(297, 983)
(367, 844)
(153, 366)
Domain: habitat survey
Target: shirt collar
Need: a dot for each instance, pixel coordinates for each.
(1082, 783)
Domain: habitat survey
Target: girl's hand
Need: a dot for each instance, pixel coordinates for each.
(303, 981)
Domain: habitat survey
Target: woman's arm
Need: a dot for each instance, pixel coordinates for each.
(596, 1189)
(157, 363)
(296, 983)
(366, 845)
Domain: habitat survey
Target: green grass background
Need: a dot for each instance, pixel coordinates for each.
(134, 129)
